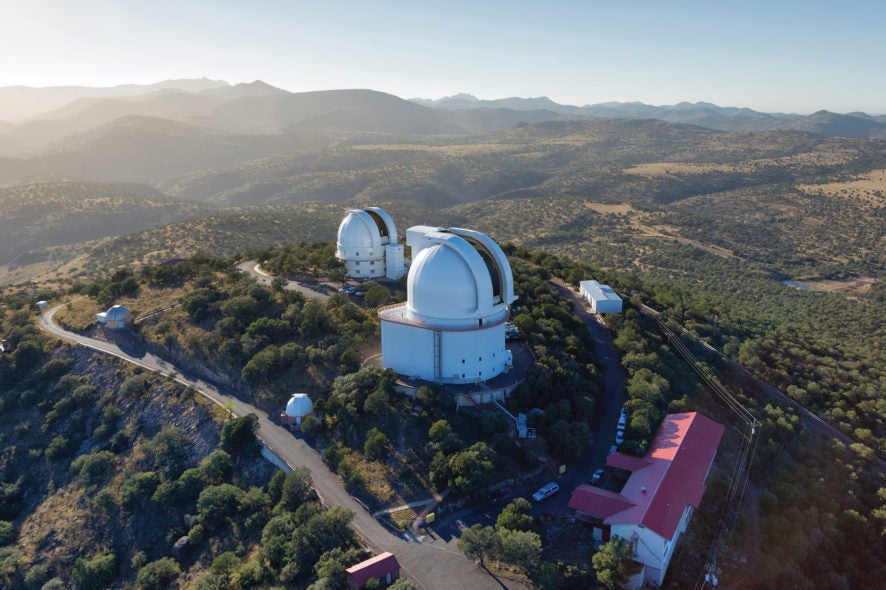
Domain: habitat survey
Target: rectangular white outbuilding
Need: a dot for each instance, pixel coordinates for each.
(601, 297)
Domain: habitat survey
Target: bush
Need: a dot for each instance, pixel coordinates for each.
(58, 447)
(98, 572)
(239, 435)
(376, 445)
(216, 465)
(94, 467)
(7, 532)
(157, 575)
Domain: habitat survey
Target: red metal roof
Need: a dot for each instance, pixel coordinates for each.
(375, 567)
(627, 462)
(597, 502)
(670, 475)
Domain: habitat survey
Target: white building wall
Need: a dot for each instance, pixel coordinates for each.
(606, 306)
(395, 261)
(365, 265)
(465, 356)
(474, 355)
(408, 350)
(649, 549)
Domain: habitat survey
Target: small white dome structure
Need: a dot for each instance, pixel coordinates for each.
(298, 408)
(452, 327)
(116, 318)
(367, 244)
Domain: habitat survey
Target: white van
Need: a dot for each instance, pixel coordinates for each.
(545, 492)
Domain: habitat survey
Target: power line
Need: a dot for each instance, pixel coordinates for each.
(742, 469)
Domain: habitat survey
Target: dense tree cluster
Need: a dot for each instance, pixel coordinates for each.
(316, 259)
(137, 451)
(564, 382)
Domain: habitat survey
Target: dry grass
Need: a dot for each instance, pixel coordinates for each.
(79, 314)
(610, 209)
(870, 187)
(658, 169)
(854, 286)
(402, 519)
(815, 158)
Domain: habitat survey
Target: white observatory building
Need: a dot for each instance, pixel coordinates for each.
(367, 244)
(452, 327)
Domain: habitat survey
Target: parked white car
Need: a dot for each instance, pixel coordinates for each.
(545, 492)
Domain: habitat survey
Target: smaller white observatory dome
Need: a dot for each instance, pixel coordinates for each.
(299, 405)
(367, 244)
(118, 313)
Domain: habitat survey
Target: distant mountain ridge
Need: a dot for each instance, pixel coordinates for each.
(703, 114)
(21, 102)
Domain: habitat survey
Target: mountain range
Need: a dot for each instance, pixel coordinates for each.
(113, 161)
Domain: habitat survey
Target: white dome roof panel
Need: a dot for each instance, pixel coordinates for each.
(299, 405)
(441, 284)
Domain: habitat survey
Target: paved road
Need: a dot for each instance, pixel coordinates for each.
(615, 380)
(253, 268)
(434, 564)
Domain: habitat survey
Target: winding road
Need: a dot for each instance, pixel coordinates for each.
(432, 563)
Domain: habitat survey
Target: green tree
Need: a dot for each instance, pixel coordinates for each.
(216, 465)
(611, 563)
(239, 434)
(516, 516)
(520, 548)
(217, 503)
(472, 469)
(377, 444)
(223, 568)
(157, 575)
(97, 572)
(94, 467)
(478, 542)
(295, 487)
(376, 295)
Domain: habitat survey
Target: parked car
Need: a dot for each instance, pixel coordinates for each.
(546, 491)
(612, 449)
(597, 478)
(619, 437)
(622, 420)
(347, 289)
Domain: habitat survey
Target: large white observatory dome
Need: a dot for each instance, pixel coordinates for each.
(451, 328)
(442, 284)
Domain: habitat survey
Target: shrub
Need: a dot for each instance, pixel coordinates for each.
(239, 435)
(157, 575)
(7, 532)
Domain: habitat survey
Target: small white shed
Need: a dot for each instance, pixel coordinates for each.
(601, 297)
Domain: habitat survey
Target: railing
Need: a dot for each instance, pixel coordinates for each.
(385, 313)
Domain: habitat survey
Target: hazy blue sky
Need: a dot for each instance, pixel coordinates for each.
(773, 56)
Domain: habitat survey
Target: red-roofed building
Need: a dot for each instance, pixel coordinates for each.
(664, 487)
(385, 568)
